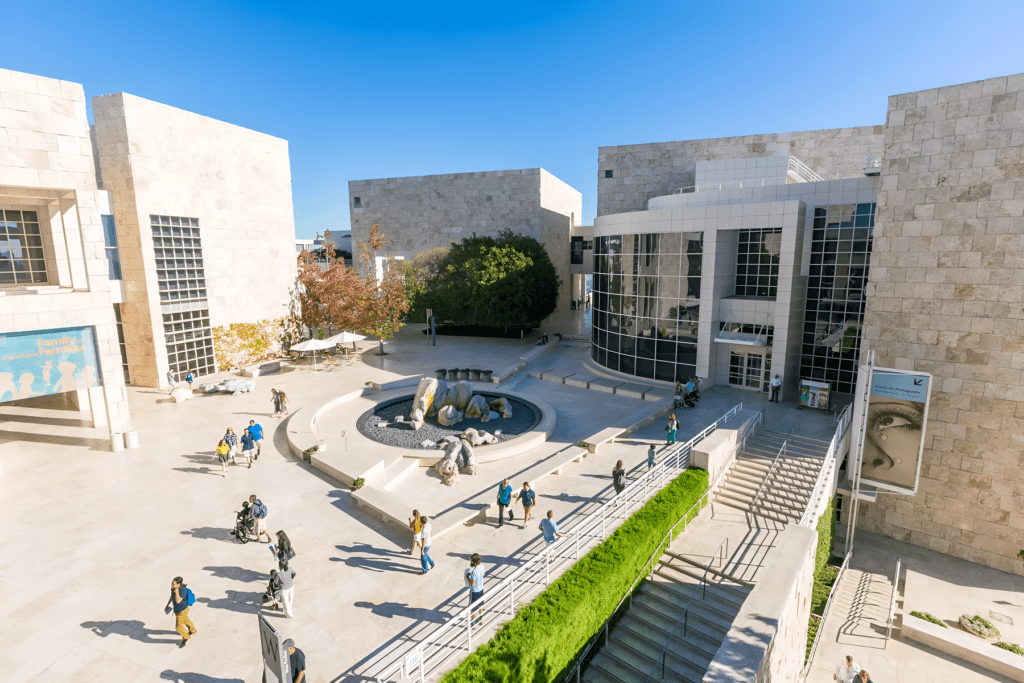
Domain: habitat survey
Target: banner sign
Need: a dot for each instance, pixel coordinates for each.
(814, 394)
(276, 665)
(47, 362)
(894, 429)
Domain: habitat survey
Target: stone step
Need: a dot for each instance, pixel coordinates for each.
(760, 512)
(671, 599)
(649, 656)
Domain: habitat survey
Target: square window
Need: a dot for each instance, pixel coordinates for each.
(357, 202)
(608, 174)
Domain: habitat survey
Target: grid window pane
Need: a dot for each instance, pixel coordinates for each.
(21, 254)
(757, 262)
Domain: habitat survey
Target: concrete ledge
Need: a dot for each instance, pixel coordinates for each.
(581, 380)
(630, 390)
(411, 381)
(556, 376)
(604, 436)
(655, 395)
(953, 640)
(605, 385)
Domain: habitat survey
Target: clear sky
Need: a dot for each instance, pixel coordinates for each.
(381, 89)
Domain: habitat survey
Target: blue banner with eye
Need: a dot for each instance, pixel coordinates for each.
(47, 362)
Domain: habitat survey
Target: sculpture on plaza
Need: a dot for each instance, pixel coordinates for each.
(463, 394)
(469, 463)
(230, 386)
(502, 406)
(477, 407)
(478, 437)
(448, 466)
(449, 416)
(423, 400)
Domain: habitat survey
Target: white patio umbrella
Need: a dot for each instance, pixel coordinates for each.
(346, 338)
(313, 345)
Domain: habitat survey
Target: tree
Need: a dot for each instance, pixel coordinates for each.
(330, 292)
(507, 282)
(383, 301)
(420, 275)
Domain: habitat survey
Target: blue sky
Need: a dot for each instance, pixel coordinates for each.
(369, 90)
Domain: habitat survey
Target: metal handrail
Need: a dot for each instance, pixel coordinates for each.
(892, 601)
(753, 503)
(842, 422)
(758, 420)
(658, 552)
(686, 610)
(501, 599)
(824, 613)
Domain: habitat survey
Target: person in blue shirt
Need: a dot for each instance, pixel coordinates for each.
(504, 500)
(549, 528)
(528, 497)
(475, 580)
(256, 431)
(248, 446)
(189, 378)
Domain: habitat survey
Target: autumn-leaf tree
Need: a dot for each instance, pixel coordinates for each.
(383, 300)
(330, 293)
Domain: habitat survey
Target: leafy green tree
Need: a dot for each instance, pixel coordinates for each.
(504, 282)
(420, 274)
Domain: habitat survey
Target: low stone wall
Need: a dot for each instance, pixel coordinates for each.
(768, 638)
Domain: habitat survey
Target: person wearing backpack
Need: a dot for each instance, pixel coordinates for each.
(181, 599)
(258, 514)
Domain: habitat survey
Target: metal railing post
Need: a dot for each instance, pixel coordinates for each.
(512, 596)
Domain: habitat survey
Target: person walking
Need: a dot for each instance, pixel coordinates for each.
(425, 558)
(286, 575)
(847, 671)
(528, 497)
(652, 457)
(475, 580)
(670, 429)
(865, 677)
(275, 398)
(172, 379)
(256, 431)
(549, 528)
(258, 515)
(248, 447)
(189, 378)
(283, 400)
(297, 660)
(504, 500)
(181, 599)
(776, 384)
(232, 441)
(222, 455)
(283, 550)
(619, 477)
(417, 530)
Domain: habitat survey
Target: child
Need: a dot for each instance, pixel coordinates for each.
(222, 454)
(273, 594)
(417, 530)
(651, 458)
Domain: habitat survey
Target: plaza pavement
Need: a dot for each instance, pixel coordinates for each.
(91, 538)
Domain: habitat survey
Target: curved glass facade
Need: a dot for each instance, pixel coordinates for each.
(646, 304)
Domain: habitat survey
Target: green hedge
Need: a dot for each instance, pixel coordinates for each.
(546, 636)
(824, 575)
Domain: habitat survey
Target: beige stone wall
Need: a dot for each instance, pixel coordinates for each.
(156, 159)
(946, 296)
(46, 166)
(641, 172)
(419, 213)
(768, 638)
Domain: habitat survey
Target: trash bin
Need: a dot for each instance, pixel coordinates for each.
(117, 442)
(131, 440)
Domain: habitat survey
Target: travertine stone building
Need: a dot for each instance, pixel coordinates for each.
(420, 213)
(629, 175)
(204, 220)
(54, 267)
(946, 296)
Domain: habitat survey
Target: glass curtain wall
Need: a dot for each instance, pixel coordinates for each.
(840, 252)
(646, 304)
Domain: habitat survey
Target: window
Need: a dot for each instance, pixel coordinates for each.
(757, 262)
(357, 202)
(21, 249)
(181, 279)
(121, 344)
(608, 174)
(576, 251)
(110, 243)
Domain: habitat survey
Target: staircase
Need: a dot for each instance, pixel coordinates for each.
(654, 624)
(784, 496)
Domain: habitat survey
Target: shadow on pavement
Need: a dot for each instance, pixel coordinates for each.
(136, 630)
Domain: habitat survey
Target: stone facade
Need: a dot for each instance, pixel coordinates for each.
(640, 172)
(159, 160)
(946, 296)
(46, 166)
(419, 213)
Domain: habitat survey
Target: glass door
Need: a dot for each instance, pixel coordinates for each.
(754, 365)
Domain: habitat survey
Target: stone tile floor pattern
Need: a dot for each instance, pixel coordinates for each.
(91, 538)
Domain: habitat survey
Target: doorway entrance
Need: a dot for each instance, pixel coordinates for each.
(750, 370)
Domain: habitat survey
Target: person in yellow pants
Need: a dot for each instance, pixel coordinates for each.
(181, 599)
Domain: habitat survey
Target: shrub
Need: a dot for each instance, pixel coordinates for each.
(824, 575)
(928, 617)
(979, 626)
(1012, 647)
(240, 344)
(546, 636)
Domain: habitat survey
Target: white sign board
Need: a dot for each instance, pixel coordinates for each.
(894, 429)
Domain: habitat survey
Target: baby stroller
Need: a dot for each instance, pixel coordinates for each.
(245, 528)
(273, 592)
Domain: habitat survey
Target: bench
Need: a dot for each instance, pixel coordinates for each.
(604, 436)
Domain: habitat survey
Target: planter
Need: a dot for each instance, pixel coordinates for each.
(485, 375)
(453, 375)
(474, 375)
(464, 374)
(978, 626)
(441, 374)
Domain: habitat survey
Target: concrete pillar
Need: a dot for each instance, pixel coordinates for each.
(98, 406)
